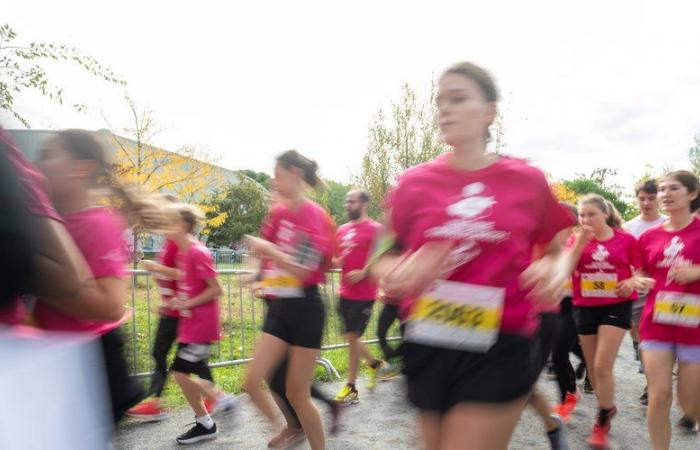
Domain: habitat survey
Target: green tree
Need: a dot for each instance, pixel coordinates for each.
(408, 137)
(598, 182)
(694, 155)
(245, 206)
(20, 69)
(332, 199)
(260, 177)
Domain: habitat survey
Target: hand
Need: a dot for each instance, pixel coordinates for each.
(584, 234)
(413, 274)
(179, 305)
(625, 288)
(257, 289)
(684, 274)
(643, 283)
(546, 278)
(355, 276)
(149, 265)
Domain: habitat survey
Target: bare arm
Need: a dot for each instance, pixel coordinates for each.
(212, 291)
(104, 299)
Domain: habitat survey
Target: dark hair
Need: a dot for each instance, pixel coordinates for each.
(648, 186)
(690, 181)
(309, 168)
(362, 194)
(614, 219)
(482, 77)
(140, 208)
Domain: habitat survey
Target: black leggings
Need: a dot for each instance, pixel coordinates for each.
(278, 385)
(389, 314)
(124, 391)
(166, 335)
(566, 342)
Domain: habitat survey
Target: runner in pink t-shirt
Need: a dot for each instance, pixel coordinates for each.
(670, 324)
(198, 289)
(470, 221)
(296, 247)
(604, 290)
(355, 241)
(74, 163)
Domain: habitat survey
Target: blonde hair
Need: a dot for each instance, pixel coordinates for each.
(614, 220)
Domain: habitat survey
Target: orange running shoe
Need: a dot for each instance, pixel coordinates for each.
(148, 412)
(565, 409)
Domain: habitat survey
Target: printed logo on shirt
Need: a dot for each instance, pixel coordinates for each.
(600, 259)
(347, 243)
(468, 225)
(673, 254)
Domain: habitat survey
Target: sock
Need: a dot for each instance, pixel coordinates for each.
(604, 415)
(206, 421)
(352, 386)
(374, 364)
(635, 345)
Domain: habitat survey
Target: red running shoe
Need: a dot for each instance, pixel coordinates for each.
(148, 412)
(565, 409)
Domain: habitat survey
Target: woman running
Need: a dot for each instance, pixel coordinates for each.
(603, 294)
(470, 221)
(296, 248)
(670, 324)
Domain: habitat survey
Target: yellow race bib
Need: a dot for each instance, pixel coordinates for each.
(279, 283)
(676, 308)
(457, 315)
(598, 284)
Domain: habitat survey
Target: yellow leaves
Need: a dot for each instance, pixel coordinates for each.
(564, 194)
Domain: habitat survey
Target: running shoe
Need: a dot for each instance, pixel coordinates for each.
(287, 438)
(335, 417)
(387, 371)
(557, 438)
(148, 412)
(374, 376)
(599, 437)
(224, 405)
(565, 409)
(687, 425)
(587, 386)
(644, 398)
(348, 396)
(197, 433)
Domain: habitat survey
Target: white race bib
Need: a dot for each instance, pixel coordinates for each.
(598, 284)
(457, 315)
(280, 283)
(676, 308)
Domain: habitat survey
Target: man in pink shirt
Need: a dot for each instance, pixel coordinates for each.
(355, 241)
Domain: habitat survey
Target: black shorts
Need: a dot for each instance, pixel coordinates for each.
(355, 314)
(192, 358)
(439, 378)
(589, 318)
(297, 321)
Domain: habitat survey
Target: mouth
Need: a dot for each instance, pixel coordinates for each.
(446, 124)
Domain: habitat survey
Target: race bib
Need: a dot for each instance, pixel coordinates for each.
(279, 283)
(598, 284)
(676, 308)
(457, 315)
(568, 288)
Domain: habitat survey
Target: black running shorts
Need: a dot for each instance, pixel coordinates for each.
(439, 378)
(355, 314)
(297, 321)
(589, 318)
(192, 359)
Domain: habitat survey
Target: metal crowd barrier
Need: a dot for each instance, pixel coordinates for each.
(241, 319)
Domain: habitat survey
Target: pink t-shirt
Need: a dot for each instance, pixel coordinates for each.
(98, 234)
(305, 234)
(662, 250)
(494, 216)
(33, 184)
(199, 325)
(355, 242)
(602, 266)
(167, 286)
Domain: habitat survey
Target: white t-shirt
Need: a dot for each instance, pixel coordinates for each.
(637, 226)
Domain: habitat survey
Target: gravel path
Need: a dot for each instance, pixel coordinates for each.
(384, 420)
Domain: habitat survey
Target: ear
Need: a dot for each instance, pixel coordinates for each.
(491, 112)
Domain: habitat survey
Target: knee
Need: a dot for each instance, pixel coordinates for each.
(603, 370)
(180, 377)
(660, 398)
(297, 396)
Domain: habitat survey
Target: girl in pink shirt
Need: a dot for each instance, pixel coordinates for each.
(604, 289)
(75, 166)
(296, 249)
(470, 221)
(670, 324)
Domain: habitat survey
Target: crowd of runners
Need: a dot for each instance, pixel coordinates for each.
(492, 279)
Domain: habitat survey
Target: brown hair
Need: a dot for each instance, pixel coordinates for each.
(614, 219)
(648, 186)
(690, 181)
(482, 77)
(191, 215)
(309, 168)
(140, 208)
(362, 194)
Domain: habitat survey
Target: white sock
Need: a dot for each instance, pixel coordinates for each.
(206, 421)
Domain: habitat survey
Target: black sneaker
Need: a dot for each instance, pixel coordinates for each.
(644, 398)
(587, 386)
(557, 438)
(687, 425)
(197, 433)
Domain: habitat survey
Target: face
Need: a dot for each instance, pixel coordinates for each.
(63, 173)
(463, 114)
(590, 215)
(286, 181)
(648, 203)
(354, 206)
(674, 196)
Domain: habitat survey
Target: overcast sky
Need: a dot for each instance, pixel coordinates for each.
(588, 84)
